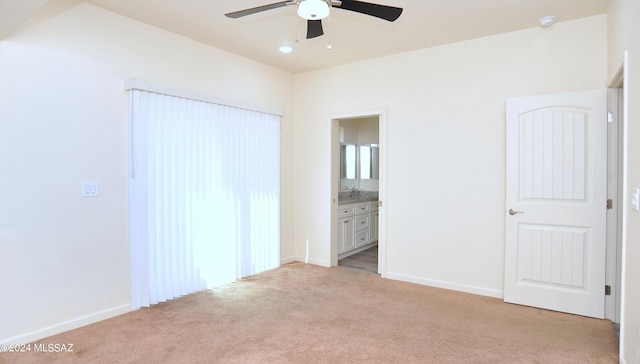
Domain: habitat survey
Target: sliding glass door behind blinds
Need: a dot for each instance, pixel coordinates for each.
(204, 195)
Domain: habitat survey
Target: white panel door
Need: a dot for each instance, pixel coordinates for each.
(556, 202)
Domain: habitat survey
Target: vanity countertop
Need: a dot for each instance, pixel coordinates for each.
(356, 199)
(357, 196)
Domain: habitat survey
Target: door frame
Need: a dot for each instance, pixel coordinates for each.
(618, 82)
(615, 191)
(382, 182)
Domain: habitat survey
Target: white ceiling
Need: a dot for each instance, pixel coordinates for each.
(354, 37)
(13, 13)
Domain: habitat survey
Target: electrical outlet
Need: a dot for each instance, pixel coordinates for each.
(89, 189)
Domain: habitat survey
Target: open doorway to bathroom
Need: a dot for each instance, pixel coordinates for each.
(358, 184)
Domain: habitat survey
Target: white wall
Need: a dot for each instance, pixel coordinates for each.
(445, 202)
(351, 131)
(368, 130)
(623, 30)
(63, 120)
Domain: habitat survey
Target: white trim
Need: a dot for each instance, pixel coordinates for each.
(144, 85)
(304, 260)
(625, 195)
(288, 260)
(614, 163)
(357, 114)
(382, 193)
(495, 293)
(68, 325)
(334, 176)
(617, 79)
(320, 262)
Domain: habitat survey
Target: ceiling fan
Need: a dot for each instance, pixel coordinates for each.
(316, 10)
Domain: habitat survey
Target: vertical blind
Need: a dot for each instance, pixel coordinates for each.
(205, 195)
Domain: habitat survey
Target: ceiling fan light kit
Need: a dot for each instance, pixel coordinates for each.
(313, 9)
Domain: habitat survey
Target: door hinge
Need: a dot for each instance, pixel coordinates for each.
(607, 290)
(609, 117)
(609, 204)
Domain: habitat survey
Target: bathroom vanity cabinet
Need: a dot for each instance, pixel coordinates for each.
(357, 227)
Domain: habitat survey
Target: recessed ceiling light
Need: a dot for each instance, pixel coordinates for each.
(546, 21)
(285, 49)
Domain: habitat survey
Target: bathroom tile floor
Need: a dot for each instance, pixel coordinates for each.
(366, 260)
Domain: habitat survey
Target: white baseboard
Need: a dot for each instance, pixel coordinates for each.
(320, 262)
(446, 285)
(288, 260)
(68, 325)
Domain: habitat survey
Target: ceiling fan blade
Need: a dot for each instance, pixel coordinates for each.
(314, 28)
(257, 9)
(390, 13)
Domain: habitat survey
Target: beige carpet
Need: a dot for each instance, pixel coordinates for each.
(307, 314)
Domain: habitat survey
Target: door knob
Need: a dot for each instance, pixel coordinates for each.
(513, 212)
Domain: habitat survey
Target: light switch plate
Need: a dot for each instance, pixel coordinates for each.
(635, 198)
(89, 189)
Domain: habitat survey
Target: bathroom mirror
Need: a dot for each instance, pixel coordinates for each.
(369, 157)
(348, 162)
